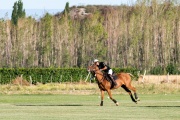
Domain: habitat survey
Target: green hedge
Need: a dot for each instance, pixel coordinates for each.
(133, 71)
(47, 75)
(43, 75)
(170, 68)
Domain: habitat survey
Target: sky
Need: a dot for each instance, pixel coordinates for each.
(37, 8)
(60, 4)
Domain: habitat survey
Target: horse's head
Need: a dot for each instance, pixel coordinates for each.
(93, 68)
(95, 71)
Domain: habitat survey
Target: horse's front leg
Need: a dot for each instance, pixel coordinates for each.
(102, 97)
(110, 96)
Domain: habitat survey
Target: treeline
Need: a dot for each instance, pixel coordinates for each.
(144, 36)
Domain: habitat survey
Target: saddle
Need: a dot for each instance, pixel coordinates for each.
(108, 78)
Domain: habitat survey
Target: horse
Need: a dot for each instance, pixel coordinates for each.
(123, 80)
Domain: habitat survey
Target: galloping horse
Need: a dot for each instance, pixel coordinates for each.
(123, 80)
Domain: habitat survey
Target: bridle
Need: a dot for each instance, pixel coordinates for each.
(96, 72)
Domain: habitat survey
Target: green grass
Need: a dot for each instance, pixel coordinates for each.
(85, 107)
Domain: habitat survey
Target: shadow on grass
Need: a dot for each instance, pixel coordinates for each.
(95, 105)
(156, 106)
(53, 105)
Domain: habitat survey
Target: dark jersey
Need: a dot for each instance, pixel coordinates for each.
(102, 65)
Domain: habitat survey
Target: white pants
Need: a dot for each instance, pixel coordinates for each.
(110, 72)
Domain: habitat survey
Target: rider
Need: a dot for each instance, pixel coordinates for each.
(102, 66)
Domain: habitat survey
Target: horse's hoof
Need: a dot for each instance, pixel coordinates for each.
(117, 104)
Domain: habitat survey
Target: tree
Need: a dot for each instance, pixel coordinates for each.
(21, 12)
(66, 9)
(14, 16)
(18, 12)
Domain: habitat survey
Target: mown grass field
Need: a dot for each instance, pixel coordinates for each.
(85, 107)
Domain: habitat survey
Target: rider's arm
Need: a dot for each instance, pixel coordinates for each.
(104, 68)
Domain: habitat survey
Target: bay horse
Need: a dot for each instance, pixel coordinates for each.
(123, 80)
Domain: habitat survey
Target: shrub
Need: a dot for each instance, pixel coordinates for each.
(158, 70)
(172, 69)
(43, 75)
(48, 75)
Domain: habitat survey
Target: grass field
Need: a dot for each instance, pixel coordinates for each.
(85, 107)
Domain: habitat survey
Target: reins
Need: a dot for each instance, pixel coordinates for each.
(100, 81)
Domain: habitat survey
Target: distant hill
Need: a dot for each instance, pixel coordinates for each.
(35, 13)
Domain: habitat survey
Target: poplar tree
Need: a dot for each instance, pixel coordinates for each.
(14, 16)
(66, 9)
(21, 12)
(18, 12)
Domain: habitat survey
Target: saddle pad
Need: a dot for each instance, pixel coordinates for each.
(109, 79)
(115, 77)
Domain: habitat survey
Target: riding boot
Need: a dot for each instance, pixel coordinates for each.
(114, 82)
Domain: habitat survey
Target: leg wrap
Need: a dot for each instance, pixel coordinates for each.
(133, 98)
(101, 103)
(125, 88)
(114, 100)
(135, 94)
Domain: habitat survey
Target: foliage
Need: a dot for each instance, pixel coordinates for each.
(43, 75)
(144, 35)
(47, 75)
(67, 7)
(14, 16)
(18, 12)
(172, 69)
(157, 70)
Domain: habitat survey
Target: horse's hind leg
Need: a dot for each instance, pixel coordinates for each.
(134, 90)
(127, 90)
(110, 96)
